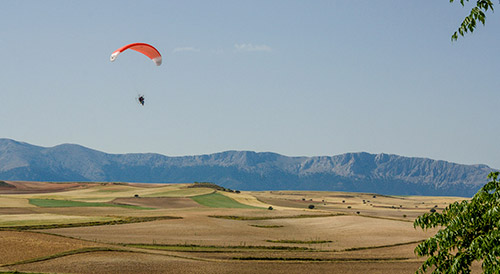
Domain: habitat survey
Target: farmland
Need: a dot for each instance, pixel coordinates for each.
(148, 228)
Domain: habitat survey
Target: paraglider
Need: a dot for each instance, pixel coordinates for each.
(143, 48)
(146, 49)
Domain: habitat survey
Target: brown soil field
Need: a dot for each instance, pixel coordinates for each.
(351, 203)
(5, 185)
(85, 211)
(39, 187)
(125, 262)
(399, 252)
(16, 210)
(289, 239)
(17, 246)
(197, 228)
(158, 202)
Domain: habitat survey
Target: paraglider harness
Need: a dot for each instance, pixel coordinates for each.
(141, 99)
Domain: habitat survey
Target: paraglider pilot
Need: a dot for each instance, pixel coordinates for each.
(141, 99)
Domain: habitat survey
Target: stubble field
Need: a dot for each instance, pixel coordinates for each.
(199, 228)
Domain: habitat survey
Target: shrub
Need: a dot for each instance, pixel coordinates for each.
(207, 185)
(5, 184)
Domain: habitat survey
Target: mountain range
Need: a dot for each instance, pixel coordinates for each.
(245, 170)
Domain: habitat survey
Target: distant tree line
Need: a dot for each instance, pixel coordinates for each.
(212, 186)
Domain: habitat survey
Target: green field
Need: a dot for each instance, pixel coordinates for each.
(219, 201)
(69, 203)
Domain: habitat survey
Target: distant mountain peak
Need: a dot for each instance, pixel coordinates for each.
(246, 170)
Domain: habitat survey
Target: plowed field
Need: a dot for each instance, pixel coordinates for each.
(126, 228)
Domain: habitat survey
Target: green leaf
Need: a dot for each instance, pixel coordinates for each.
(471, 232)
(476, 14)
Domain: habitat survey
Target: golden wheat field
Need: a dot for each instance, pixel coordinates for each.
(202, 228)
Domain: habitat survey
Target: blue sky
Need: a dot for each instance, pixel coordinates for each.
(299, 78)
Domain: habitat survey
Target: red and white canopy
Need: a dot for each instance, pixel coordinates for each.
(143, 48)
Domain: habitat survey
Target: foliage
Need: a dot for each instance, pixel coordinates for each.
(207, 185)
(477, 13)
(470, 232)
(211, 185)
(5, 184)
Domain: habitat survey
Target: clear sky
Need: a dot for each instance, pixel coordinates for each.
(299, 78)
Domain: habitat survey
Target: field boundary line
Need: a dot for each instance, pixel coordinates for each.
(216, 248)
(256, 218)
(119, 221)
(378, 246)
(302, 259)
(98, 249)
(63, 254)
(384, 218)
